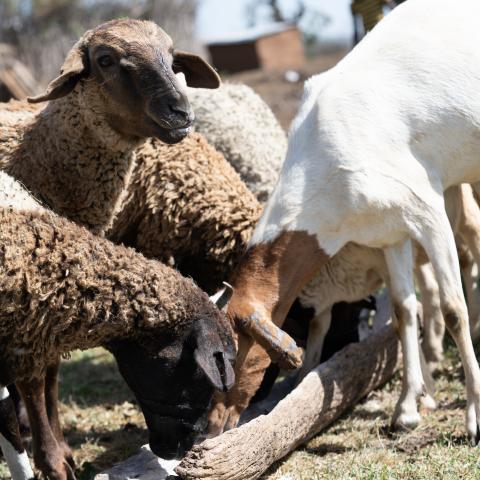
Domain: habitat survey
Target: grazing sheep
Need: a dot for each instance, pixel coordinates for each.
(62, 288)
(240, 125)
(375, 176)
(77, 153)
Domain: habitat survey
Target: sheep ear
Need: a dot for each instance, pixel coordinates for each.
(211, 357)
(72, 70)
(198, 73)
(216, 368)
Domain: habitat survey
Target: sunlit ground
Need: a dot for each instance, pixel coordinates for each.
(103, 425)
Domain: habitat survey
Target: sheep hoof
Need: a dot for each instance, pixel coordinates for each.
(428, 402)
(406, 421)
(473, 427)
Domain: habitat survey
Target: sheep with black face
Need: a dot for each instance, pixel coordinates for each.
(62, 288)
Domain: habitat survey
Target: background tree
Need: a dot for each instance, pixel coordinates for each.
(44, 30)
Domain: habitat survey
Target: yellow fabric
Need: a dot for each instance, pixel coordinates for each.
(371, 12)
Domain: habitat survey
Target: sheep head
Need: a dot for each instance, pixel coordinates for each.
(125, 70)
(174, 378)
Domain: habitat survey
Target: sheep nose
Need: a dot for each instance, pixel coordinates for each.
(182, 110)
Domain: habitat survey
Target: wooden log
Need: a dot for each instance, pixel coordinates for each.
(323, 395)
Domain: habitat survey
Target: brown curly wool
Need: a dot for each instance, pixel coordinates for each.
(62, 288)
(68, 156)
(187, 206)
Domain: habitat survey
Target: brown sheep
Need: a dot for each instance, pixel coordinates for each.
(62, 288)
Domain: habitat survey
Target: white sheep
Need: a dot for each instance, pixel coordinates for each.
(376, 142)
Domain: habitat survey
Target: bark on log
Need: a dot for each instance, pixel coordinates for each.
(323, 395)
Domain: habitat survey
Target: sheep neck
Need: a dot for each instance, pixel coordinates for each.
(74, 162)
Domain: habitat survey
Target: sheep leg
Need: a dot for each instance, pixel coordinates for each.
(47, 453)
(439, 244)
(11, 441)
(400, 268)
(51, 397)
(469, 231)
(316, 336)
(433, 323)
(470, 276)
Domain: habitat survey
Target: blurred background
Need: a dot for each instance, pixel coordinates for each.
(271, 45)
(42, 31)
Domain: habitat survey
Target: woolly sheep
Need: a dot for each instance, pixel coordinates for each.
(240, 125)
(63, 288)
(77, 153)
(12, 195)
(376, 176)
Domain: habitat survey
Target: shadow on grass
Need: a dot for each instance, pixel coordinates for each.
(326, 448)
(91, 378)
(364, 414)
(117, 444)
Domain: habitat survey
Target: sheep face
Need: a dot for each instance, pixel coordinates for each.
(125, 72)
(174, 380)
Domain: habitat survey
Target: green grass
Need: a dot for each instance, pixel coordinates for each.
(103, 425)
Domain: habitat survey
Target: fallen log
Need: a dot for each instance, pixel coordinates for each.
(323, 395)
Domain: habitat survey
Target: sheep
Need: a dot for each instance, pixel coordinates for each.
(76, 154)
(109, 98)
(12, 195)
(63, 288)
(186, 206)
(368, 161)
(239, 124)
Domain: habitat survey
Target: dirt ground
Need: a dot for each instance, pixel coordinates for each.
(103, 423)
(282, 96)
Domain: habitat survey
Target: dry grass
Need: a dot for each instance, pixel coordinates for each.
(101, 419)
(103, 425)
(361, 446)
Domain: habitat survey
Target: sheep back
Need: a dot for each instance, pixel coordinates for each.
(62, 288)
(188, 207)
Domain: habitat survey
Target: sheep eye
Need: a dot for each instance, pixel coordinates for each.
(105, 61)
